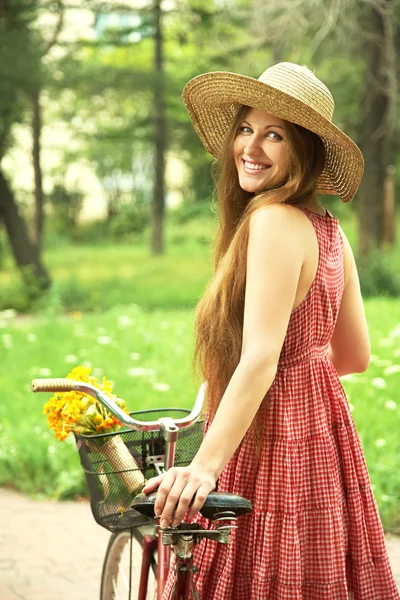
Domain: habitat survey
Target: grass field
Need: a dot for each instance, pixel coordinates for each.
(148, 356)
(97, 277)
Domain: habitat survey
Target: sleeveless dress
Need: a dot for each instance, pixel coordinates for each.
(315, 532)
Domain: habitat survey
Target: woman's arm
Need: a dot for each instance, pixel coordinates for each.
(274, 262)
(350, 348)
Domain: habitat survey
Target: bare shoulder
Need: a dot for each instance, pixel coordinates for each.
(274, 231)
(281, 218)
(280, 228)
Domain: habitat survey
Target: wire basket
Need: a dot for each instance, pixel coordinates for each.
(117, 465)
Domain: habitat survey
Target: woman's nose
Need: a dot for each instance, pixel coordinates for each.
(253, 145)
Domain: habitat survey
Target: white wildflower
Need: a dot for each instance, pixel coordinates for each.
(391, 404)
(379, 443)
(161, 387)
(51, 449)
(141, 372)
(348, 377)
(45, 372)
(395, 332)
(383, 362)
(385, 342)
(97, 372)
(7, 341)
(124, 321)
(352, 407)
(71, 358)
(392, 369)
(104, 340)
(134, 355)
(379, 383)
(31, 337)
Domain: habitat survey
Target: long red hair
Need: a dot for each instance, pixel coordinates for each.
(219, 313)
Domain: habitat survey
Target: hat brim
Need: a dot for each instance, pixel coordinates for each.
(213, 100)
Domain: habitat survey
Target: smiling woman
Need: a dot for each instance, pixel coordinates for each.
(260, 150)
(280, 321)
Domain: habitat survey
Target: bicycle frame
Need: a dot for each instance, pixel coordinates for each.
(164, 552)
(184, 567)
(149, 545)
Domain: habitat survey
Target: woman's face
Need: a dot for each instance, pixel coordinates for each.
(260, 151)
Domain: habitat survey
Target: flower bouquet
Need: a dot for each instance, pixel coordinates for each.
(81, 414)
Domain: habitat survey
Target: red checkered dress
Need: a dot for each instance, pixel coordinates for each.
(315, 532)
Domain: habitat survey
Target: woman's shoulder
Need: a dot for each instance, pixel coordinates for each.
(280, 217)
(277, 213)
(276, 227)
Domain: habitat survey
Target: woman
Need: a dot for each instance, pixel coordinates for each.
(281, 320)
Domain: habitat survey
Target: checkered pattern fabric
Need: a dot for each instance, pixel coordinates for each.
(315, 532)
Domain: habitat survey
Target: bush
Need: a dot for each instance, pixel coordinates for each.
(130, 222)
(190, 211)
(66, 206)
(380, 274)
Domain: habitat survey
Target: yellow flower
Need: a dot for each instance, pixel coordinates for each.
(73, 411)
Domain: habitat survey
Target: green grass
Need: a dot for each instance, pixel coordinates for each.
(161, 342)
(97, 277)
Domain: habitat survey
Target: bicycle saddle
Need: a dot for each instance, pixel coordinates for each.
(217, 502)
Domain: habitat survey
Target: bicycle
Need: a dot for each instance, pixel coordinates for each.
(154, 446)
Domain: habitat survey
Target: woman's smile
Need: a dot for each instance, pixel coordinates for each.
(254, 168)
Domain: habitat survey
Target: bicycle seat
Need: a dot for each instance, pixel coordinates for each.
(217, 502)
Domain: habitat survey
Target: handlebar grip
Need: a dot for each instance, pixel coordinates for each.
(52, 385)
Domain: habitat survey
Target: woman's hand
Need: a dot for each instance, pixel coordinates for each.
(176, 488)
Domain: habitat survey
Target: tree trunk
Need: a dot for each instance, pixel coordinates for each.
(389, 210)
(157, 237)
(25, 253)
(38, 217)
(378, 123)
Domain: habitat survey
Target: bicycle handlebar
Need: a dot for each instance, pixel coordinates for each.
(66, 385)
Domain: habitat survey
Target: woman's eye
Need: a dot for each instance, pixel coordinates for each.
(274, 135)
(245, 129)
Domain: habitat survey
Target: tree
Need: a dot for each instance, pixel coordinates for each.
(45, 47)
(157, 240)
(19, 72)
(378, 122)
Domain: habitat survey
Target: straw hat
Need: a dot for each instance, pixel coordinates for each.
(286, 90)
